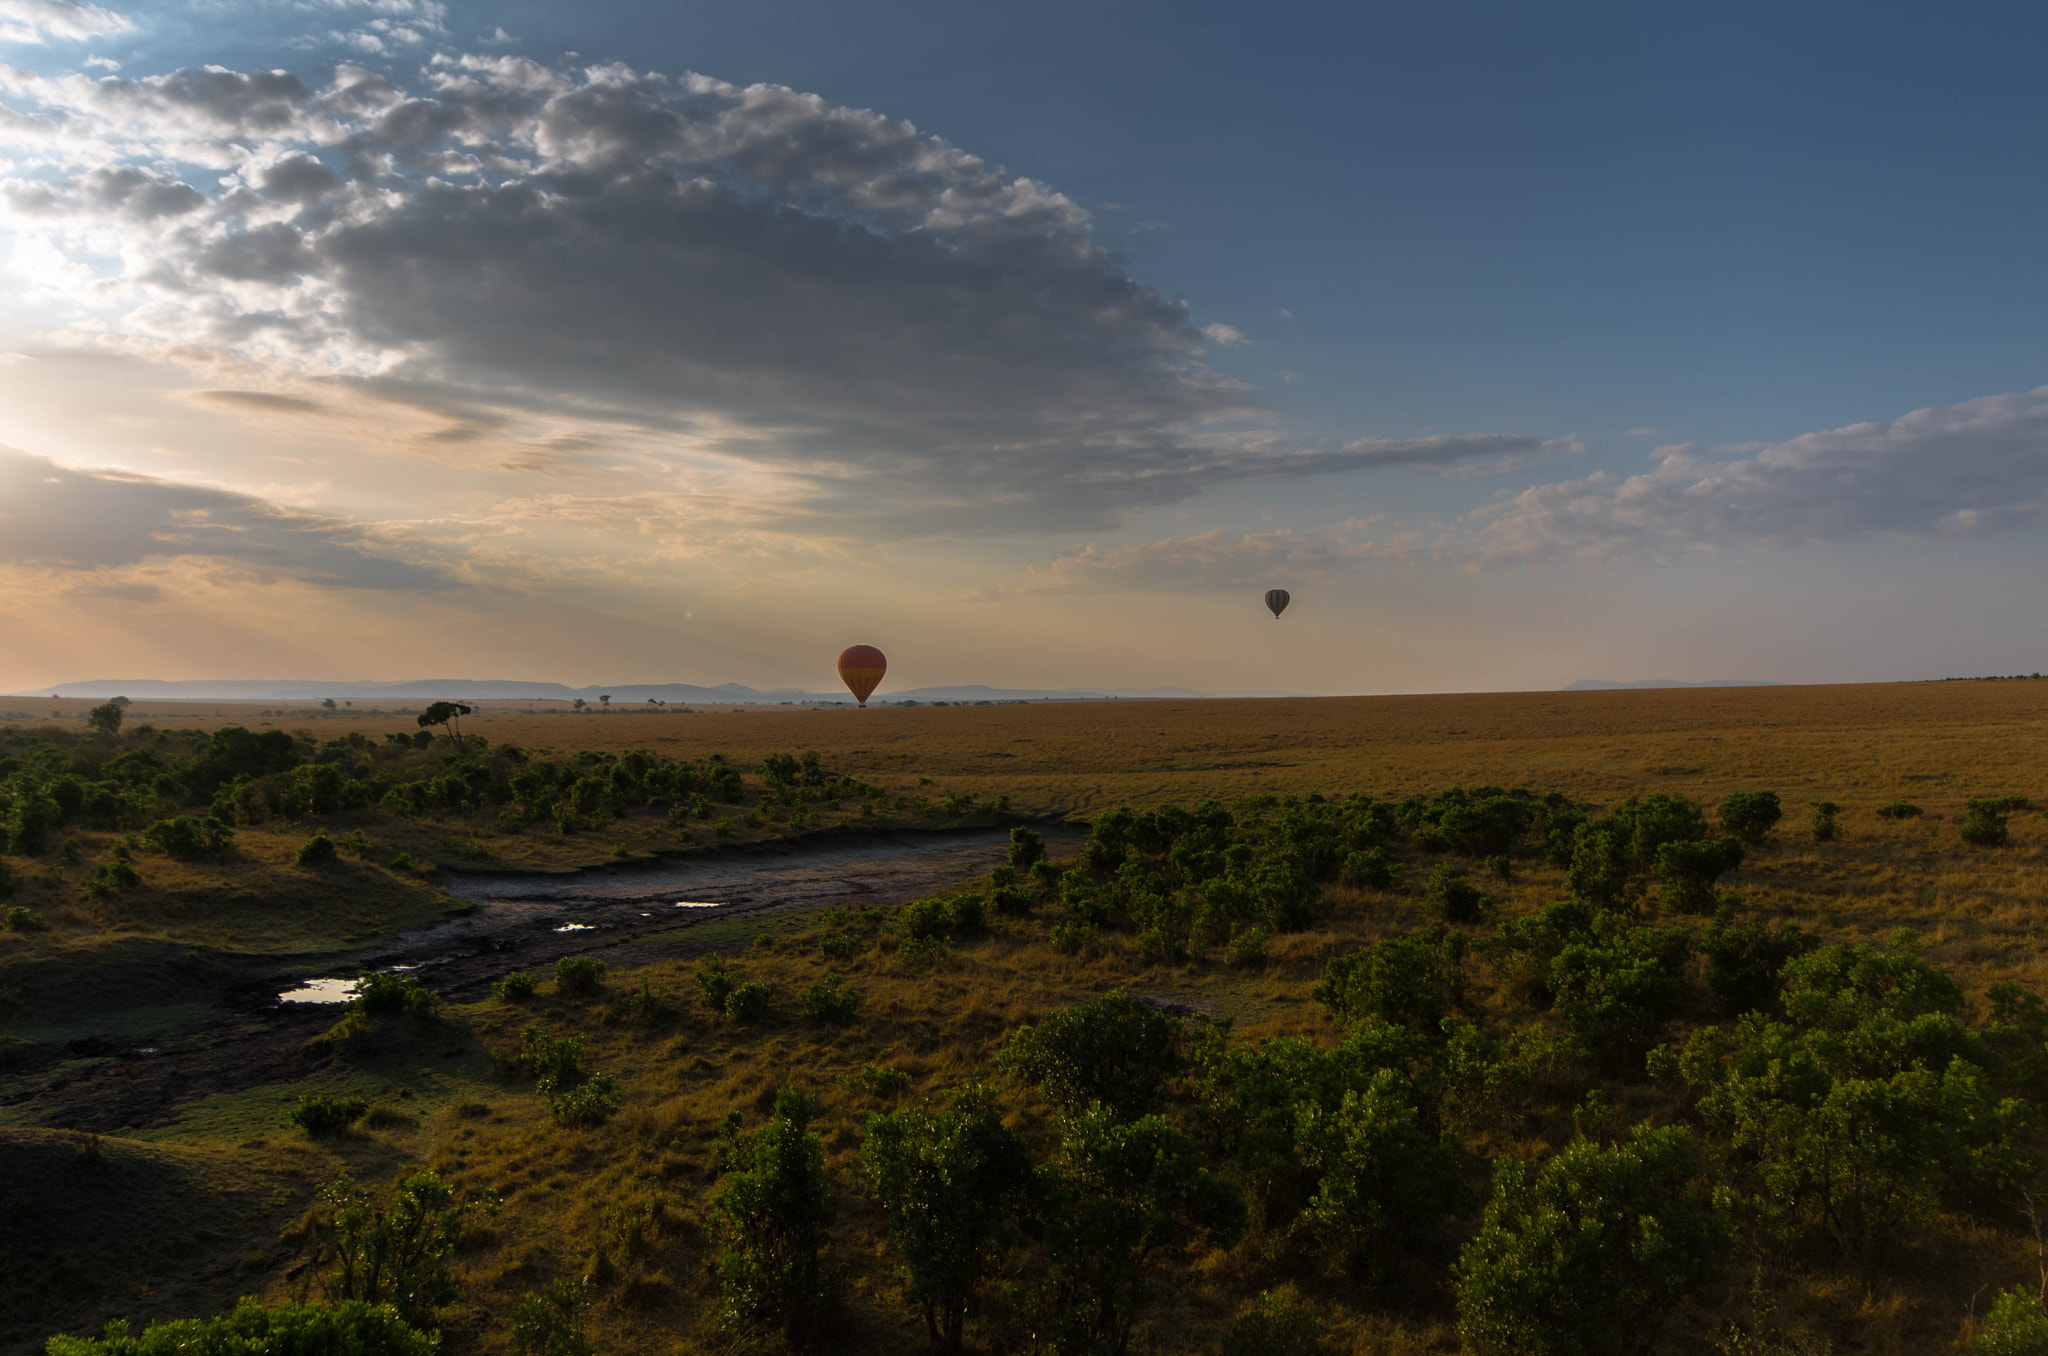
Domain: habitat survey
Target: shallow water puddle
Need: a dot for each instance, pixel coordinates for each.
(691, 904)
(577, 927)
(320, 991)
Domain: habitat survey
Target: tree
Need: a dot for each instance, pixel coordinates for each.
(950, 1185)
(1121, 1196)
(1386, 1182)
(605, 700)
(105, 718)
(1415, 980)
(549, 1322)
(447, 715)
(1114, 1050)
(327, 703)
(1591, 1257)
(1027, 848)
(1750, 814)
(774, 1208)
(353, 1327)
(397, 1253)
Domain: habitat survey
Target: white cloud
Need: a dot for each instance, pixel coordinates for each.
(1969, 469)
(1225, 335)
(1216, 561)
(920, 341)
(38, 21)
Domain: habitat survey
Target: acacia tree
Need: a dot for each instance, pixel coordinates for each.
(774, 1209)
(447, 715)
(397, 1253)
(950, 1185)
(106, 718)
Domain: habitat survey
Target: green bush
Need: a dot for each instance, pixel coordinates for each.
(772, 1209)
(1594, 1254)
(1453, 898)
(108, 877)
(1984, 823)
(579, 976)
(1371, 869)
(593, 1101)
(384, 993)
(1027, 848)
(1274, 1323)
(1071, 939)
(829, 1002)
(1500, 866)
(715, 982)
(518, 986)
(749, 1003)
(1247, 948)
(952, 1185)
(549, 1322)
(1825, 828)
(22, 919)
(841, 945)
(1689, 869)
(2015, 1326)
(1414, 980)
(1750, 815)
(188, 836)
(396, 1252)
(350, 1327)
(1113, 1050)
(1387, 1184)
(549, 1060)
(319, 850)
(1898, 809)
(1744, 964)
(320, 1114)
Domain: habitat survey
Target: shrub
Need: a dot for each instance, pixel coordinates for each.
(397, 1253)
(1744, 963)
(1750, 814)
(593, 1101)
(2015, 1326)
(1386, 1183)
(351, 1326)
(21, 919)
(1113, 1050)
(1158, 946)
(951, 1185)
(1071, 939)
(1617, 987)
(1898, 809)
(881, 1080)
(384, 993)
(320, 1114)
(579, 976)
(841, 945)
(108, 877)
(188, 836)
(773, 1208)
(1984, 823)
(1824, 827)
(402, 862)
(1688, 871)
(319, 850)
(1371, 869)
(828, 1002)
(549, 1322)
(549, 1060)
(1247, 948)
(1414, 980)
(715, 982)
(1453, 898)
(1274, 1323)
(517, 987)
(749, 1003)
(1500, 867)
(922, 953)
(1027, 848)
(1593, 1255)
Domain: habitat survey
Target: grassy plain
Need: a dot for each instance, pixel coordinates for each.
(627, 1203)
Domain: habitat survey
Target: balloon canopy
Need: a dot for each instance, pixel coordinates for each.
(1277, 599)
(861, 668)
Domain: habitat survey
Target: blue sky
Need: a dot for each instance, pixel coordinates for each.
(1452, 275)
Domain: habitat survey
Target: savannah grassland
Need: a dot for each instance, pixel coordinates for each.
(180, 1216)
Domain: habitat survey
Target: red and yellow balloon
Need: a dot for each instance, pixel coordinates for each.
(861, 668)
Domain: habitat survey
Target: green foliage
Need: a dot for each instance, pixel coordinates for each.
(1371, 869)
(1414, 980)
(951, 1185)
(1071, 939)
(1453, 898)
(1898, 809)
(320, 1114)
(105, 719)
(2016, 1326)
(397, 1251)
(549, 1060)
(715, 981)
(1984, 823)
(1618, 986)
(1745, 964)
(579, 976)
(189, 837)
(1688, 870)
(517, 987)
(319, 850)
(1387, 1183)
(593, 1101)
(109, 877)
(384, 993)
(1838, 987)
(549, 1322)
(1274, 1323)
(1601, 874)
(1247, 948)
(1825, 828)
(1593, 1254)
(943, 918)
(1750, 815)
(1122, 1197)
(749, 1003)
(830, 1003)
(1113, 1050)
(23, 919)
(350, 1328)
(772, 1208)
(1027, 848)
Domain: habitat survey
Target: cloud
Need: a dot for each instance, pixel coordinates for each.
(1225, 335)
(1970, 469)
(266, 402)
(1641, 432)
(66, 518)
(37, 21)
(917, 341)
(1214, 562)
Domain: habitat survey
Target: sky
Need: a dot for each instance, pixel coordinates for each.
(622, 342)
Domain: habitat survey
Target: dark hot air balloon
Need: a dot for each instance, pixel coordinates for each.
(1277, 599)
(861, 668)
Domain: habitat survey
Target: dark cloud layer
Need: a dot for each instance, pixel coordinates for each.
(65, 518)
(918, 337)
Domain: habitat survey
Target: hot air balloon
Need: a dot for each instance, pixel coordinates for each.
(1277, 599)
(861, 668)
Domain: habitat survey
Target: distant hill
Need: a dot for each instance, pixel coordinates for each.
(1608, 684)
(501, 689)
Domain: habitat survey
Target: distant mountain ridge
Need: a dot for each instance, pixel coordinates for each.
(1609, 685)
(626, 694)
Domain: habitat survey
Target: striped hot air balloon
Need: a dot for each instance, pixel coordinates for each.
(1277, 599)
(861, 668)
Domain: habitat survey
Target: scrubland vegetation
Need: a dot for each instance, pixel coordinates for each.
(1592, 1058)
